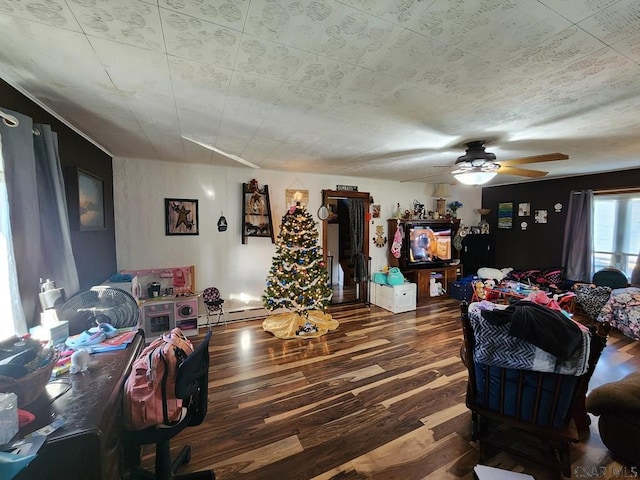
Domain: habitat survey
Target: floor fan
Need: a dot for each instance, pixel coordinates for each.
(99, 304)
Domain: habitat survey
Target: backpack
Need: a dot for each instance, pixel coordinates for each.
(149, 391)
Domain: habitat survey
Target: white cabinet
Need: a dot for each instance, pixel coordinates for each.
(395, 298)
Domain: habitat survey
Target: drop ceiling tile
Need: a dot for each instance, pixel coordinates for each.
(414, 57)
(369, 87)
(615, 23)
(194, 39)
(135, 70)
(195, 153)
(577, 10)
(228, 13)
(630, 47)
(198, 125)
(268, 59)
(144, 77)
(54, 13)
(128, 21)
(602, 72)
(562, 48)
(199, 86)
(72, 87)
(196, 75)
(493, 30)
(296, 24)
(321, 73)
(263, 92)
(395, 11)
(354, 37)
(26, 50)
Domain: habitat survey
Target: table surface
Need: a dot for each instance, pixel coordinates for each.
(90, 407)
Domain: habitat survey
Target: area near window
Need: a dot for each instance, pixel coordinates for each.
(616, 231)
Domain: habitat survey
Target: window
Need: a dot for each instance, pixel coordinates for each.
(616, 231)
(10, 309)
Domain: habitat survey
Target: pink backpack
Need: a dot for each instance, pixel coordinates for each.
(149, 392)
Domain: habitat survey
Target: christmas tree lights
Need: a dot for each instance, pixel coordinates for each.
(298, 278)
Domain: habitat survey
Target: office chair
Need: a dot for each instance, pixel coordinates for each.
(214, 305)
(192, 382)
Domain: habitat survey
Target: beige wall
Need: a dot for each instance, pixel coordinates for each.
(140, 187)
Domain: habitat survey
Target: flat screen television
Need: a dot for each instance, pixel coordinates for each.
(428, 245)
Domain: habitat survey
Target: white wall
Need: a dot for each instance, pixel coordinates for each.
(140, 187)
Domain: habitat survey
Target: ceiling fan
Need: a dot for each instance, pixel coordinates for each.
(477, 166)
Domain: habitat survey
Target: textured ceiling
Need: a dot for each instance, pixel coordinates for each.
(373, 88)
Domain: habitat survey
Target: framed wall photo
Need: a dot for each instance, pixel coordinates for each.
(541, 216)
(292, 196)
(505, 215)
(181, 216)
(375, 211)
(524, 209)
(90, 202)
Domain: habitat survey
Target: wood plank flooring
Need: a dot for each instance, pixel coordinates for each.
(382, 398)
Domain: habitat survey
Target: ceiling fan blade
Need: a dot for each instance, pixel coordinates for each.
(523, 172)
(422, 177)
(546, 157)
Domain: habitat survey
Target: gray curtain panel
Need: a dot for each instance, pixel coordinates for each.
(577, 244)
(356, 222)
(38, 211)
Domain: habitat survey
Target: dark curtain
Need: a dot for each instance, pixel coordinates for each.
(577, 244)
(38, 212)
(356, 222)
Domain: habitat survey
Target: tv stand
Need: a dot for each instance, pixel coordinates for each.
(422, 278)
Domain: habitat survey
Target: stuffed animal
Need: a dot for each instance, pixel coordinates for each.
(493, 273)
(479, 290)
(489, 283)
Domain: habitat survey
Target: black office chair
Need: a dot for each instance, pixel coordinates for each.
(192, 382)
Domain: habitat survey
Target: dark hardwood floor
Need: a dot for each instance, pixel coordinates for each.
(382, 397)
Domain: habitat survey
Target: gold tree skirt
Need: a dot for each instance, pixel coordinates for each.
(285, 325)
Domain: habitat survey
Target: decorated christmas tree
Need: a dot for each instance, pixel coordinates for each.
(298, 280)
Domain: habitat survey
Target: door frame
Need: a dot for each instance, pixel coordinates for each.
(366, 196)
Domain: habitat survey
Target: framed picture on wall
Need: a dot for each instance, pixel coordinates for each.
(90, 202)
(505, 215)
(181, 216)
(541, 216)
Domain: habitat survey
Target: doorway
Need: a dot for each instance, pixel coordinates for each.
(345, 244)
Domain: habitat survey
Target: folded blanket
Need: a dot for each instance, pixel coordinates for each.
(622, 311)
(494, 345)
(545, 328)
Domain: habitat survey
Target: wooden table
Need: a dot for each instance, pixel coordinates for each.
(88, 445)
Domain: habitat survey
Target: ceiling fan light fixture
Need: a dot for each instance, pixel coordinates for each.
(476, 154)
(474, 177)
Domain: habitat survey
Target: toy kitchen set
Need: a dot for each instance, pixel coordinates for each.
(167, 298)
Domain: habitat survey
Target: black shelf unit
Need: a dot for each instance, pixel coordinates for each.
(478, 250)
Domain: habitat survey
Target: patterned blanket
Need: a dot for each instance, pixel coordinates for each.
(622, 311)
(494, 346)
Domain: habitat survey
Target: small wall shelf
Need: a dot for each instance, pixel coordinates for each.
(256, 212)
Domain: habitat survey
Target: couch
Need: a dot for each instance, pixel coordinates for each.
(610, 298)
(618, 406)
